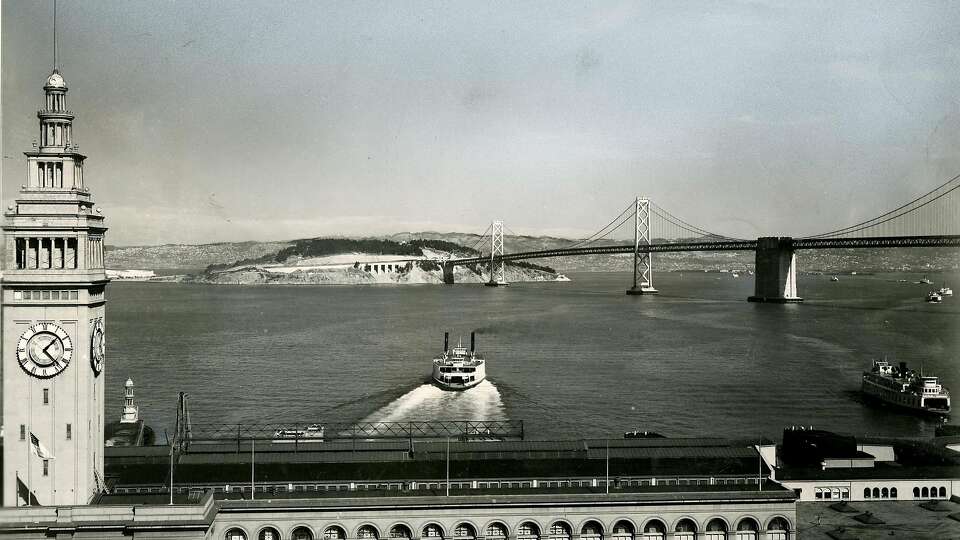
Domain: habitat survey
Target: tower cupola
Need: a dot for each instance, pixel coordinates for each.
(56, 122)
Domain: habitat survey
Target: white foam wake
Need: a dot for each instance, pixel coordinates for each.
(428, 403)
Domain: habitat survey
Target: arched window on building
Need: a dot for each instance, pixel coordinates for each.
(591, 530)
(623, 530)
(528, 531)
(367, 532)
(924, 493)
(560, 531)
(464, 531)
(747, 529)
(235, 534)
(893, 492)
(866, 493)
(884, 493)
(686, 529)
(654, 530)
(303, 533)
(716, 529)
(778, 529)
(876, 493)
(943, 491)
(400, 532)
(495, 531)
(268, 533)
(334, 533)
(916, 493)
(432, 530)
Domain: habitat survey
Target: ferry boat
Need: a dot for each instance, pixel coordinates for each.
(313, 433)
(946, 291)
(457, 368)
(925, 281)
(905, 388)
(934, 297)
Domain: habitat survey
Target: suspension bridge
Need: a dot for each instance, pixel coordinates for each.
(930, 220)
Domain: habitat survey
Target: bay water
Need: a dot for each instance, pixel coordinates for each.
(571, 360)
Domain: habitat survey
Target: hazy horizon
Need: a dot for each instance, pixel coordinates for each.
(233, 121)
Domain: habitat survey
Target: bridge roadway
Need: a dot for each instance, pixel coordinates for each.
(729, 245)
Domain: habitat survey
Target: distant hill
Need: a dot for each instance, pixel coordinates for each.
(195, 257)
(185, 256)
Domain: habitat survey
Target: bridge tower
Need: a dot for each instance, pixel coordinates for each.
(498, 275)
(642, 261)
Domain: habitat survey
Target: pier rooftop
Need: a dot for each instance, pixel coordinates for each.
(399, 465)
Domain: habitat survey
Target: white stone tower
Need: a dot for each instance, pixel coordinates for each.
(130, 413)
(53, 323)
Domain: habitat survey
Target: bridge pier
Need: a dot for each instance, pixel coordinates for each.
(447, 273)
(775, 275)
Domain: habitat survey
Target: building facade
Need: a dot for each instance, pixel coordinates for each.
(726, 515)
(53, 323)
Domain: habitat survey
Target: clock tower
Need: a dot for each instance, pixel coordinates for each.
(53, 323)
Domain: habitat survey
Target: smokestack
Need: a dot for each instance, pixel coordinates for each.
(473, 342)
(446, 341)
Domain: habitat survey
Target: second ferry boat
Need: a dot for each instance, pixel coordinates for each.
(458, 369)
(905, 388)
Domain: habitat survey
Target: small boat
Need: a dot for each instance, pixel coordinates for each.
(905, 388)
(834, 278)
(934, 297)
(313, 433)
(561, 277)
(925, 281)
(945, 291)
(457, 368)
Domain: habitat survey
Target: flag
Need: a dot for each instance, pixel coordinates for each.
(38, 449)
(24, 494)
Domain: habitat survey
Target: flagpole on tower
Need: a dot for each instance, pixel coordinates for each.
(54, 35)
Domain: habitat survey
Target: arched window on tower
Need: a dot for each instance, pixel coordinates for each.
(235, 534)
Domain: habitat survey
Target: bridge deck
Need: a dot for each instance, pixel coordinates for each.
(729, 245)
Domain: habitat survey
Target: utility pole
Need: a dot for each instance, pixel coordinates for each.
(253, 461)
(608, 466)
(171, 474)
(448, 465)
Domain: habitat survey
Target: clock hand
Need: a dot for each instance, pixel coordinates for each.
(47, 352)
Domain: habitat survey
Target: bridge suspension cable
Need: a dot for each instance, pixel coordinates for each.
(682, 225)
(939, 219)
(483, 237)
(606, 230)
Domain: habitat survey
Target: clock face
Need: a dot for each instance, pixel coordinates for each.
(44, 350)
(97, 347)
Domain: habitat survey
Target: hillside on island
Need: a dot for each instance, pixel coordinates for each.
(362, 261)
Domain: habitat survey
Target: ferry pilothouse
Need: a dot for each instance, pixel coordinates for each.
(906, 388)
(457, 368)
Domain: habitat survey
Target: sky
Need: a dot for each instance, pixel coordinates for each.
(248, 120)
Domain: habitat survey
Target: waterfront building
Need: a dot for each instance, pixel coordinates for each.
(53, 322)
(822, 466)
